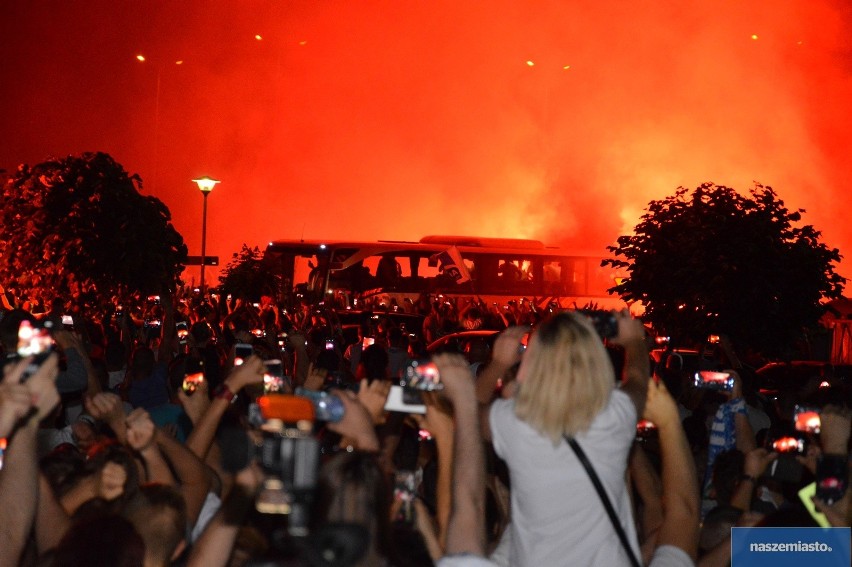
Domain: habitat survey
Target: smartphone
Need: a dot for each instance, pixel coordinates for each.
(329, 344)
(182, 329)
(191, 382)
(525, 341)
(395, 402)
(68, 322)
(645, 429)
(193, 375)
(36, 342)
(327, 407)
(273, 377)
(711, 380)
(368, 341)
(241, 352)
(421, 375)
(789, 445)
(405, 489)
(832, 478)
(806, 419)
(152, 328)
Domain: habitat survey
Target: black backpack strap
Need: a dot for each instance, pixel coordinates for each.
(605, 499)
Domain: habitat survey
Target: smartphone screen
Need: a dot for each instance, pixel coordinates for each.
(241, 352)
(191, 382)
(422, 375)
(645, 428)
(806, 419)
(35, 342)
(273, 377)
(832, 478)
(182, 330)
(788, 445)
(710, 380)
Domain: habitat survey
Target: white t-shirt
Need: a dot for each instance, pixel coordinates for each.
(664, 556)
(670, 556)
(557, 516)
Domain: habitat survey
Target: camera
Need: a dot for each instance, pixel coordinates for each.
(288, 454)
(604, 322)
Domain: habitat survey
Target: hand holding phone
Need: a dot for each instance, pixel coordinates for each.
(396, 402)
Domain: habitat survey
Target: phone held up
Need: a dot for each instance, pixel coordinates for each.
(712, 380)
(35, 341)
(241, 352)
(806, 419)
(193, 376)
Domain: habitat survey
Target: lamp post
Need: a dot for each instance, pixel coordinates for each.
(206, 185)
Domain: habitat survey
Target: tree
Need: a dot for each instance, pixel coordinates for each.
(79, 224)
(249, 275)
(712, 261)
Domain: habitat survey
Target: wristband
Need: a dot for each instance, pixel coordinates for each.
(223, 392)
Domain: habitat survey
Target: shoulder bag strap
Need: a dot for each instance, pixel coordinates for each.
(605, 499)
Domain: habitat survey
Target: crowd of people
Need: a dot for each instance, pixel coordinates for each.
(145, 436)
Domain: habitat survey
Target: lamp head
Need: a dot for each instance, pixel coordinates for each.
(206, 183)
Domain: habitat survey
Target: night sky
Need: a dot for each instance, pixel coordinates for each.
(553, 120)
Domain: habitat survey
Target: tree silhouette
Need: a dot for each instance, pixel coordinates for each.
(710, 261)
(79, 224)
(249, 275)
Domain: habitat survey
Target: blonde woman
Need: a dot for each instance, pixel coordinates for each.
(567, 387)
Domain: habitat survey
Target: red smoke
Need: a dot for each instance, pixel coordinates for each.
(394, 120)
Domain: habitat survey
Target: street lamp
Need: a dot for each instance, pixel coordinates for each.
(206, 185)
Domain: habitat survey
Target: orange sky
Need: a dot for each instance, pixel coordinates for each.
(388, 119)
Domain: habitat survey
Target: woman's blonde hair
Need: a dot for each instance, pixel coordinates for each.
(565, 378)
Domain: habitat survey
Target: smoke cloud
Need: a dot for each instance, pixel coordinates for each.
(380, 119)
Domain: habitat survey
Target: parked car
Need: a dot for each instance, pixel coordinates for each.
(475, 345)
(785, 376)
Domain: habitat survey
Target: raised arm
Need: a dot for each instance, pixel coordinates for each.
(201, 438)
(505, 354)
(192, 474)
(19, 476)
(637, 366)
(466, 525)
(680, 482)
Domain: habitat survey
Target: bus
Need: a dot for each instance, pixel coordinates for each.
(350, 274)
